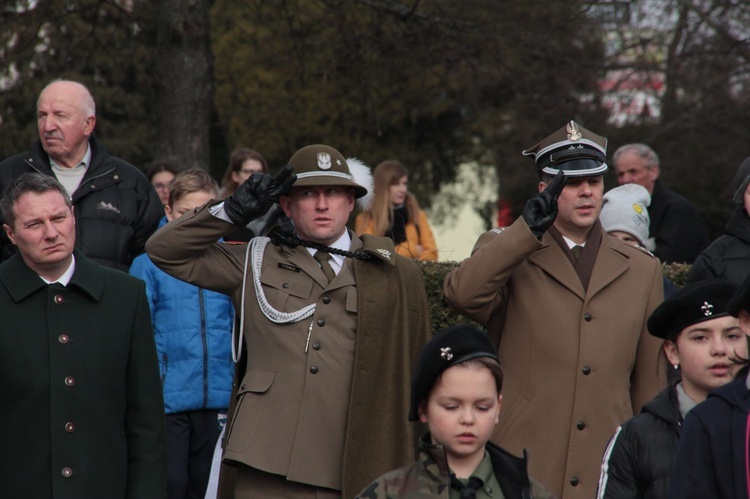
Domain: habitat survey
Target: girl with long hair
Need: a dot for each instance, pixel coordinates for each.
(395, 213)
(243, 162)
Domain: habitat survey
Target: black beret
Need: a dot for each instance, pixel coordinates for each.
(697, 302)
(447, 348)
(741, 299)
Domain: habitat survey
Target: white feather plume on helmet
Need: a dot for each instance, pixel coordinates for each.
(362, 175)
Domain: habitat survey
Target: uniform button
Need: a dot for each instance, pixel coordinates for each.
(70, 381)
(587, 317)
(59, 299)
(321, 322)
(70, 427)
(63, 338)
(326, 300)
(314, 369)
(581, 425)
(574, 481)
(586, 370)
(316, 346)
(67, 472)
(285, 285)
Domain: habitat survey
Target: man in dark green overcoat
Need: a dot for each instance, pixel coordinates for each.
(82, 408)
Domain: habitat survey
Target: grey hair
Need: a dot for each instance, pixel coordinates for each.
(641, 150)
(88, 106)
(29, 182)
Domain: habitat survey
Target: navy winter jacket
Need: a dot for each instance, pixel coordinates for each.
(713, 449)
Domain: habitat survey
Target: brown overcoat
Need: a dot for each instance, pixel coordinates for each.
(276, 429)
(577, 363)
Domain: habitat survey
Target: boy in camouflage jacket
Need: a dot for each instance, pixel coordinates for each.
(456, 392)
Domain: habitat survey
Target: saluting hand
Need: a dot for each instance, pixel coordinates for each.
(540, 211)
(257, 194)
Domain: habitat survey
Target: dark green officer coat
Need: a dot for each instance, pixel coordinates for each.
(81, 406)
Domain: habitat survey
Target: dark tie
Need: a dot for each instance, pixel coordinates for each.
(468, 491)
(577, 251)
(322, 257)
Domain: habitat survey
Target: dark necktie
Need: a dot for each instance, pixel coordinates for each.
(577, 251)
(468, 491)
(322, 257)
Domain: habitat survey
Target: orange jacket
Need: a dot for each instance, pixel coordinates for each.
(415, 237)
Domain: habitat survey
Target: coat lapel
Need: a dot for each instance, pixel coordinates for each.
(302, 258)
(610, 264)
(21, 281)
(18, 279)
(551, 259)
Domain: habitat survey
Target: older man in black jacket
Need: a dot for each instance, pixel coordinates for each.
(116, 208)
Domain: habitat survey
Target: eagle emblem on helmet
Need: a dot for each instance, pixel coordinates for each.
(324, 161)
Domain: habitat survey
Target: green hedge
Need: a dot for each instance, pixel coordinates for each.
(444, 316)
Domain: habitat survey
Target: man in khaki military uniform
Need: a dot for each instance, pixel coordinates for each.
(330, 325)
(568, 305)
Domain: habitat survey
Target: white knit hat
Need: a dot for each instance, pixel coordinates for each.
(624, 209)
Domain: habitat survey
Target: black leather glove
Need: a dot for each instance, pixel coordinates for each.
(257, 194)
(540, 211)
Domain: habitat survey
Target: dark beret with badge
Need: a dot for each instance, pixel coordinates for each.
(696, 302)
(447, 348)
(572, 149)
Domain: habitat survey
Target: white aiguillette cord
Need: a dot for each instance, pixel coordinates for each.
(256, 248)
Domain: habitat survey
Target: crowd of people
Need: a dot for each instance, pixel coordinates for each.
(241, 341)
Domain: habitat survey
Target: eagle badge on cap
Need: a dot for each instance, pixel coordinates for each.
(707, 308)
(446, 353)
(574, 133)
(324, 161)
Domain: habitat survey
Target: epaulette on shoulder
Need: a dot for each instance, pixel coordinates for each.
(236, 243)
(644, 250)
(380, 247)
(629, 247)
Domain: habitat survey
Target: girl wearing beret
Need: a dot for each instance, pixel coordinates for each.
(704, 343)
(712, 458)
(396, 214)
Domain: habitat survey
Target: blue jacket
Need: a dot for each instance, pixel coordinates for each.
(193, 329)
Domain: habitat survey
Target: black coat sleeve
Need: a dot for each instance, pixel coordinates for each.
(619, 472)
